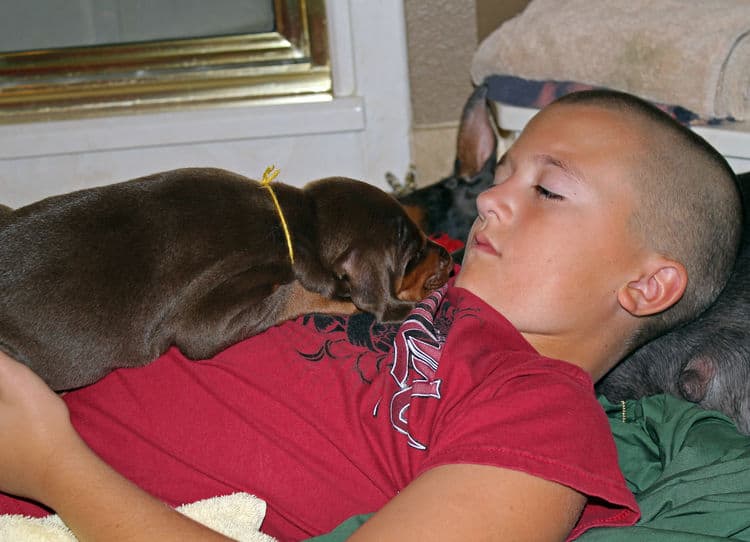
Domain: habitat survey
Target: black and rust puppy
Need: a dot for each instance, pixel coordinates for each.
(449, 205)
(112, 276)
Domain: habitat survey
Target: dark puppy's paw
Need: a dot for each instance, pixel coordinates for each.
(696, 377)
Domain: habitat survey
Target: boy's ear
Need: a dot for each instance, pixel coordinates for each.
(662, 284)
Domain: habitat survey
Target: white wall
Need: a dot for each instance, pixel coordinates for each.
(363, 132)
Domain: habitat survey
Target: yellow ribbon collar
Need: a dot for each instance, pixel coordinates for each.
(269, 175)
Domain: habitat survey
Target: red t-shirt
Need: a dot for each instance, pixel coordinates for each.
(327, 417)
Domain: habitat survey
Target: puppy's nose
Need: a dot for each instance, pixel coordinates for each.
(445, 259)
(441, 268)
(445, 265)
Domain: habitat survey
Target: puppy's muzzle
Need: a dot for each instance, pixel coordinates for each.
(426, 275)
(444, 266)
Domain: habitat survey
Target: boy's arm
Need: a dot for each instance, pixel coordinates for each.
(43, 458)
(96, 503)
(476, 502)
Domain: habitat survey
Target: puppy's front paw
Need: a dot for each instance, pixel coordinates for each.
(397, 312)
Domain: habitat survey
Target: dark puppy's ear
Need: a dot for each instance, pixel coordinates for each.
(476, 145)
(365, 282)
(695, 378)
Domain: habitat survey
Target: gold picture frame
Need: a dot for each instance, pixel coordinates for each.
(290, 64)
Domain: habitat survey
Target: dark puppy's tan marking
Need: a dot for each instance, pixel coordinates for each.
(112, 276)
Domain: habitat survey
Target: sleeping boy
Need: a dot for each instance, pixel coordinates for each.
(608, 224)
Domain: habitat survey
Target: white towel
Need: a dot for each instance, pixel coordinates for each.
(680, 52)
(237, 516)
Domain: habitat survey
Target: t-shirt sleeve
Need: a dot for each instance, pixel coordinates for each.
(521, 411)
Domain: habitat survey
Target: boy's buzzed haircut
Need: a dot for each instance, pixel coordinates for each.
(688, 205)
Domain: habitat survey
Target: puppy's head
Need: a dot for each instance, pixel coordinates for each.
(379, 257)
(449, 206)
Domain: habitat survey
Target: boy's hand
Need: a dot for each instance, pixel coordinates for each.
(34, 426)
(43, 458)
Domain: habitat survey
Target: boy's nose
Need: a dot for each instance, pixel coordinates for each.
(496, 203)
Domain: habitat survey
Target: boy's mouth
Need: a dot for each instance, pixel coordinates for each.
(482, 244)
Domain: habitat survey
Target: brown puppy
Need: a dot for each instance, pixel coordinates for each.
(112, 276)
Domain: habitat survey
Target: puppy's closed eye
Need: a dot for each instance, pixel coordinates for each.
(415, 260)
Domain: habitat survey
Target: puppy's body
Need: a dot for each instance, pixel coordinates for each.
(706, 361)
(112, 276)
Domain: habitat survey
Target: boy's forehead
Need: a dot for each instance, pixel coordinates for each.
(585, 119)
(605, 148)
(585, 135)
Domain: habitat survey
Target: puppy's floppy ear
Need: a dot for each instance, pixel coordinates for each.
(367, 283)
(661, 284)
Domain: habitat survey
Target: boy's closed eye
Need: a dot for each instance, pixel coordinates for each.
(547, 194)
(504, 170)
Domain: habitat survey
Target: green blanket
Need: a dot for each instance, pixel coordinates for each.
(688, 468)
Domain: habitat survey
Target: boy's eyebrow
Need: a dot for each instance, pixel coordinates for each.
(567, 168)
(548, 159)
